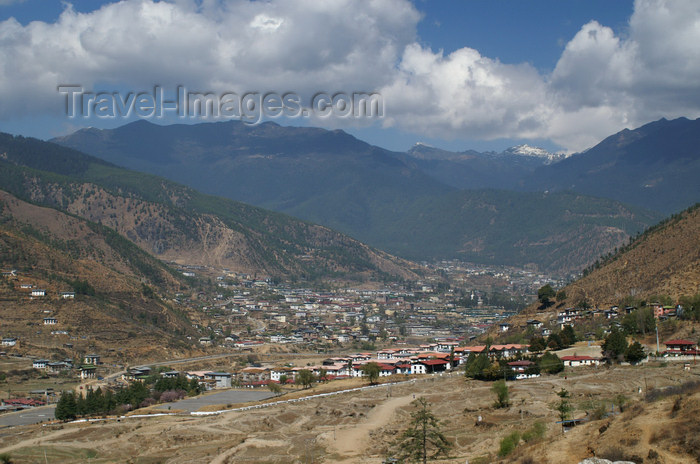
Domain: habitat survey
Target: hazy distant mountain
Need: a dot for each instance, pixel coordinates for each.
(386, 199)
(656, 166)
(558, 232)
(281, 168)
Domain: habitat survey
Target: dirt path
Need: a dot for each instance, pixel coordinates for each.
(350, 442)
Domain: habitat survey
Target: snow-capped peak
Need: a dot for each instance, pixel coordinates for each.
(527, 150)
(421, 144)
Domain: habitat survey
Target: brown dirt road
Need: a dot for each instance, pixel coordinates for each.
(350, 442)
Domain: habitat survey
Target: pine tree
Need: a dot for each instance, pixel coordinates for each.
(635, 353)
(615, 345)
(66, 407)
(422, 436)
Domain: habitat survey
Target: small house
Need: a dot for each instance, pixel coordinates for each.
(576, 361)
(222, 379)
(93, 359)
(87, 372)
(40, 363)
(680, 347)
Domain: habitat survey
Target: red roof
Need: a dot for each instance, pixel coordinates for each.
(434, 362)
(684, 352)
(680, 342)
(24, 402)
(524, 362)
(577, 358)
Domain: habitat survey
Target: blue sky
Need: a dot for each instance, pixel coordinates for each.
(471, 74)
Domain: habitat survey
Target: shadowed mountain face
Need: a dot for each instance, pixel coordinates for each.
(655, 166)
(177, 223)
(267, 165)
(393, 201)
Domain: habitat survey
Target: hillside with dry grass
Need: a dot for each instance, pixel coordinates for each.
(664, 261)
(662, 264)
(117, 287)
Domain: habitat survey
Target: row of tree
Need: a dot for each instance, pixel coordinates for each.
(481, 367)
(138, 394)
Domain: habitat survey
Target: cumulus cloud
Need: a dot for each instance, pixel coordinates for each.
(602, 82)
(606, 82)
(465, 93)
(304, 46)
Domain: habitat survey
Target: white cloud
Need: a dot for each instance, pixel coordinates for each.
(465, 93)
(304, 46)
(602, 82)
(609, 82)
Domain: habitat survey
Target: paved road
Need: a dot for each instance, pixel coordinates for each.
(27, 416)
(224, 398)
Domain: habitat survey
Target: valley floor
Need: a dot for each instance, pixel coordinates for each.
(358, 427)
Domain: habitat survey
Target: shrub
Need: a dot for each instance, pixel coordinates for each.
(535, 432)
(508, 443)
(172, 395)
(502, 397)
(147, 402)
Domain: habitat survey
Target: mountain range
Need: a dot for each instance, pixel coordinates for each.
(426, 203)
(471, 169)
(655, 166)
(177, 223)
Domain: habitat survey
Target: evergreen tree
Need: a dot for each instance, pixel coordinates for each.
(615, 344)
(545, 294)
(66, 408)
(564, 407)
(476, 365)
(537, 344)
(635, 353)
(550, 363)
(80, 405)
(568, 336)
(423, 439)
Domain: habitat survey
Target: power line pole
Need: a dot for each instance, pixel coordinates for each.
(657, 340)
